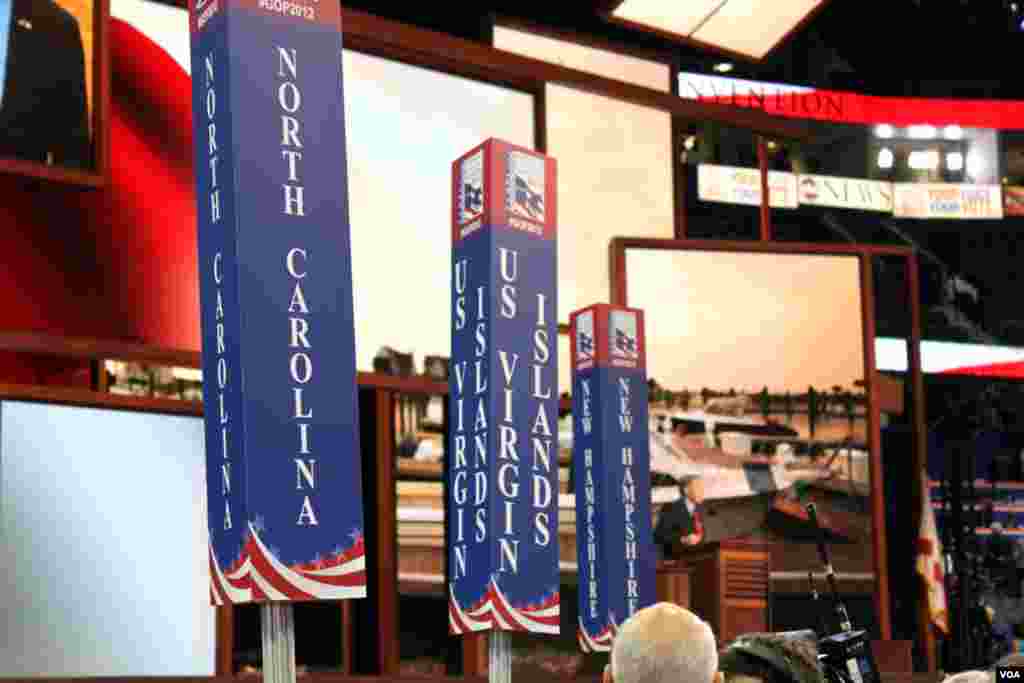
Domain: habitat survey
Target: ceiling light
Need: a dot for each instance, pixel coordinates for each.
(747, 27)
(885, 158)
(723, 67)
(955, 161)
(681, 18)
(884, 131)
(690, 142)
(923, 160)
(921, 132)
(975, 163)
(953, 133)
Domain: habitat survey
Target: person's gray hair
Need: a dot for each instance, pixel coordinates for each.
(1014, 659)
(971, 677)
(664, 643)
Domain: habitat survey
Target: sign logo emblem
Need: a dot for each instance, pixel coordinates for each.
(808, 189)
(471, 187)
(623, 335)
(525, 186)
(585, 345)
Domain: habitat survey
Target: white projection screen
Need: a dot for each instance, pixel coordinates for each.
(745, 321)
(614, 180)
(103, 541)
(406, 125)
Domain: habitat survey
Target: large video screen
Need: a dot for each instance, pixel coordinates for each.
(103, 544)
(47, 72)
(759, 406)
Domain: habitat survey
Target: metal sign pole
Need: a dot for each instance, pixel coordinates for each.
(278, 626)
(499, 659)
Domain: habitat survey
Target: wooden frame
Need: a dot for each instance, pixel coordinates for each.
(372, 35)
(605, 8)
(385, 38)
(619, 295)
(99, 176)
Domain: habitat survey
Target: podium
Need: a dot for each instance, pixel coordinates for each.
(725, 583)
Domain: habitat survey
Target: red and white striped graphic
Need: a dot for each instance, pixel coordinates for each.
(602, 642)
(493, 610)
(950, 358)
(258, 576)
(232, 587)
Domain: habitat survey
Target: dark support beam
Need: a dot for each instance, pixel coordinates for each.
(766, 214)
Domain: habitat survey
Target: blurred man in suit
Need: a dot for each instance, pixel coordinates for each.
(681, 523)
(43, 112)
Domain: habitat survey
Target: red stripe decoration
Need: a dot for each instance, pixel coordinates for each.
(233, 588)
(266, 576)
(258, 576)
(493, 610)
(845, 107)
(602, 642)
(1011, 370)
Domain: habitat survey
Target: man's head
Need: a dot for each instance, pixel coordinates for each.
(664, 643)
(972, 676)
(693, 488)
(1014, 659)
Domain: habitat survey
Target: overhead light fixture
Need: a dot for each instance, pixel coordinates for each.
(975, 164)
(690, 142)
(955, 161)
(723, 67)
(953, 133)
(751, 28)
(923, 160)
(885, 158)
(884, 131)
(922, 132)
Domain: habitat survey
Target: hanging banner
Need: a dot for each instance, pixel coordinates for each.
(845, 193)
(502, 506)
(734, 185)
(282, 429)
(611, 471)
(947, 200)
